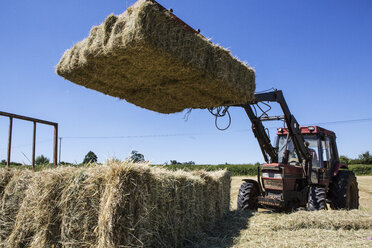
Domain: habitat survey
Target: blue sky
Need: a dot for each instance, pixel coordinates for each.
(318, 52)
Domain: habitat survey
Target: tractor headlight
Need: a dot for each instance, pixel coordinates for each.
(271, 175)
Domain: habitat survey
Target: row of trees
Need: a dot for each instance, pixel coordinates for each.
(364, 158)
(39, 160)
(135, 156)
(174, 162)
(90, 157)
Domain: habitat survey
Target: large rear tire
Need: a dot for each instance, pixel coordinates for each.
(343, 191)
(248, 196)
(317, 198)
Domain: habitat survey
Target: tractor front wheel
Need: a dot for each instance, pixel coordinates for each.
(343, 192)
(248, 196)
(317, 198)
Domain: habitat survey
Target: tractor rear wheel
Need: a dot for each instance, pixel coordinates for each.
(317, 198)
(343, 191)
(248, 196)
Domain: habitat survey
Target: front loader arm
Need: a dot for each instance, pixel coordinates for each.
(269, 152)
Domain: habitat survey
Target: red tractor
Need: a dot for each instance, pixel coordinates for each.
(303, 169)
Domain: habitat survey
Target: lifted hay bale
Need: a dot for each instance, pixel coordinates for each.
(152, 59)
(114, 205)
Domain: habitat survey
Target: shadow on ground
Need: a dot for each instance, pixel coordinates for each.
(225, 231)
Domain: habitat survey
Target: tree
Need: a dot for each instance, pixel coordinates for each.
(41, 160)
(365, 158)
(174, 162)
(189, 163)
(344, 160)
(91, 157)
(136, 157)
(65, 163)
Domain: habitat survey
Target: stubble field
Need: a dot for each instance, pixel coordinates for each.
(264, 228)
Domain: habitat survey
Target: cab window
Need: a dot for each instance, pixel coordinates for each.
(326, 152)
(313, 142)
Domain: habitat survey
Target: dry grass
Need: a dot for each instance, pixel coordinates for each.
(115, 205)
(365, 193)
(145, 57)
(307, 229)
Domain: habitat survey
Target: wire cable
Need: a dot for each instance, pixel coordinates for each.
(195, 134)
(219, 112)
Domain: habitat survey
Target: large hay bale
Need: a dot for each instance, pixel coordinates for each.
(150, 58)
(38, 220)
(115, 205)
(162, 208)
(80, 207)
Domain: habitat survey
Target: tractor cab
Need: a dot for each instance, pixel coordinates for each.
(284, 181)
(322, 146)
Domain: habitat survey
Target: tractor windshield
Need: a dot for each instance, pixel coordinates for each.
(313, 142)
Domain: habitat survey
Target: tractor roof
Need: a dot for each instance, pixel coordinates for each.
(308, 130)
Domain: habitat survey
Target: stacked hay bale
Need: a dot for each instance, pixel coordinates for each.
(152, 59)
(5, 177)
(14, 185)
(37, 222)
(113, 205)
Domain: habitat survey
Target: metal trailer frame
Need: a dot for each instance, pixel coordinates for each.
(34, 120)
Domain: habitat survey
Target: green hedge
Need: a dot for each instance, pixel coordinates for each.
(251, 170)
(235, 169)
(361, 169)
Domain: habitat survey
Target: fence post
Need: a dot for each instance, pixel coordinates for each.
(9, 141)
(55, 145)
(33, 146)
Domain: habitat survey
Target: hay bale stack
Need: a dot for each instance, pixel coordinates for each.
(164, 208)
(150, 58)
(115, 205)
(214, 180)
